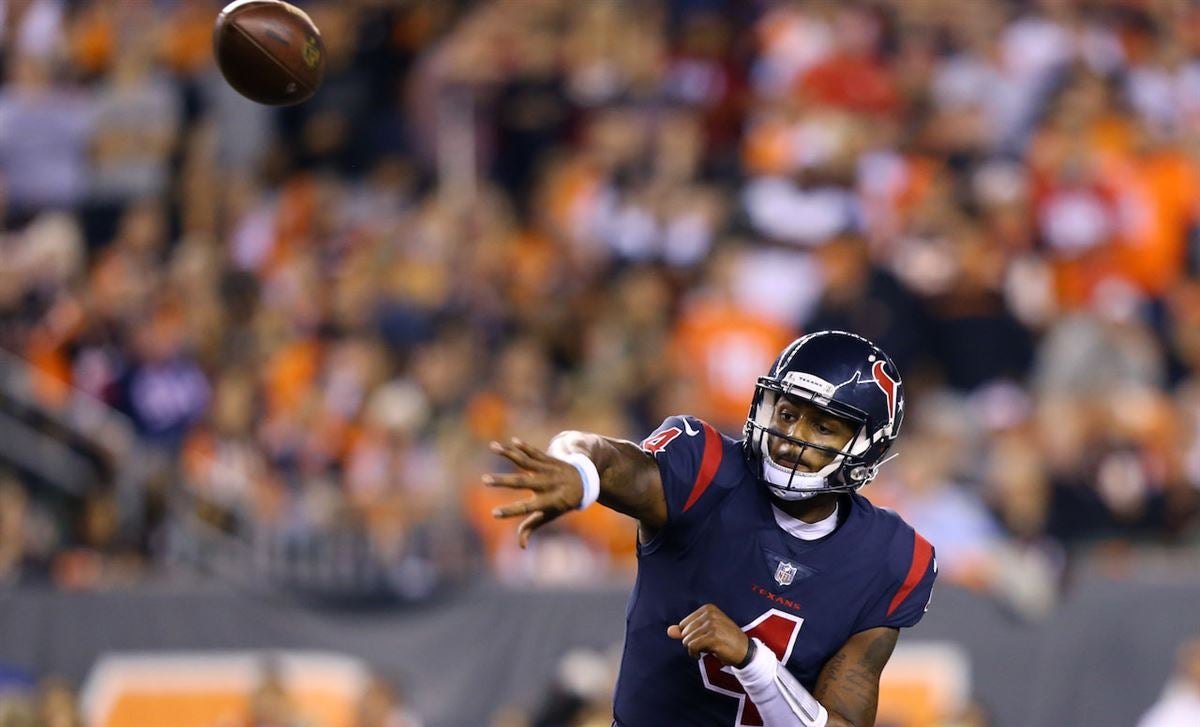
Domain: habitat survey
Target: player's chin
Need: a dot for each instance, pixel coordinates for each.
(795, 466)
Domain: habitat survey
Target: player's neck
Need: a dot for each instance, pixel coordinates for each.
(813, 510)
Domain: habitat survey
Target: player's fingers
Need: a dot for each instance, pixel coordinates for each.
(696, 644)
(528, 525)
(535, 458)
(513, 509)
(695, 627)
(515, 480)
(544, 501)
(674, 632)
(694, 635)
(694, 616)
(513, 454)
(688, 619)
(533, 453)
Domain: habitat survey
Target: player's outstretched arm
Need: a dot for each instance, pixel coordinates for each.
(629, 481)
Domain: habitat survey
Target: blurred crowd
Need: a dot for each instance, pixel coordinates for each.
(269, 702)
(518, 216)
(50, 703)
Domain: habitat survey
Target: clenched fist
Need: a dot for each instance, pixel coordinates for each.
(709, 630)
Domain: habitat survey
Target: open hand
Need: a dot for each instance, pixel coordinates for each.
(556, 486)
(709, 630)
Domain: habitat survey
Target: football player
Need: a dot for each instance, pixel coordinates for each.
(769, 592)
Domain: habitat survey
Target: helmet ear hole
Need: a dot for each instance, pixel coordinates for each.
(859, 473)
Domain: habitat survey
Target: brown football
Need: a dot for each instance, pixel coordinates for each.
(269, 51)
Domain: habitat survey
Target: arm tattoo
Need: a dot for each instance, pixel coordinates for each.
(849, 682)
(830, 674)
(878, 652)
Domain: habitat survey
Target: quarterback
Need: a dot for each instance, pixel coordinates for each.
(769, 592)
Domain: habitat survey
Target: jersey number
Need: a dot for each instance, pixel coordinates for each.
(655, 444)
(776, 629)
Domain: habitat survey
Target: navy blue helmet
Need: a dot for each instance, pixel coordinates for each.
(845, 375)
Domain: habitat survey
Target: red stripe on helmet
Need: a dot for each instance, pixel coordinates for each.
(888, 384)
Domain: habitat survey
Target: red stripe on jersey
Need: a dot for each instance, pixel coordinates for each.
(708, 465)
(922, 552)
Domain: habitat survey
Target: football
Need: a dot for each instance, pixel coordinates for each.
(269, 51)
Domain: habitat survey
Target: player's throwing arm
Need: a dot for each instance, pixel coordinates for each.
(578, 469)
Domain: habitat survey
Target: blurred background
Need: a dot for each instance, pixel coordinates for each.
(251, 358)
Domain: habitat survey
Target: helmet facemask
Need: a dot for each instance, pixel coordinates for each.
(846, 471)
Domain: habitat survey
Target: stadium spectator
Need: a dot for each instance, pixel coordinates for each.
(382, 706)
(1180, 704)
(57, 705)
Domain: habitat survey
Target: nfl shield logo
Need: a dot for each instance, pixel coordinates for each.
(785, 573)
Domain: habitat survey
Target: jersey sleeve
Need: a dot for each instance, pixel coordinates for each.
(912, 598)
(689, 452)
(909, 589)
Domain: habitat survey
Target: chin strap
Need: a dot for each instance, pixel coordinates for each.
(784, 480)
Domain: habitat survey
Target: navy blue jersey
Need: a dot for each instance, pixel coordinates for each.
(722, 545)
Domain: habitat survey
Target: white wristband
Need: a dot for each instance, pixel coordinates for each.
(587, 473)
(780, 698)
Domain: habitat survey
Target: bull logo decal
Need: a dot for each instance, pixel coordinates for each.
(889, 386)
